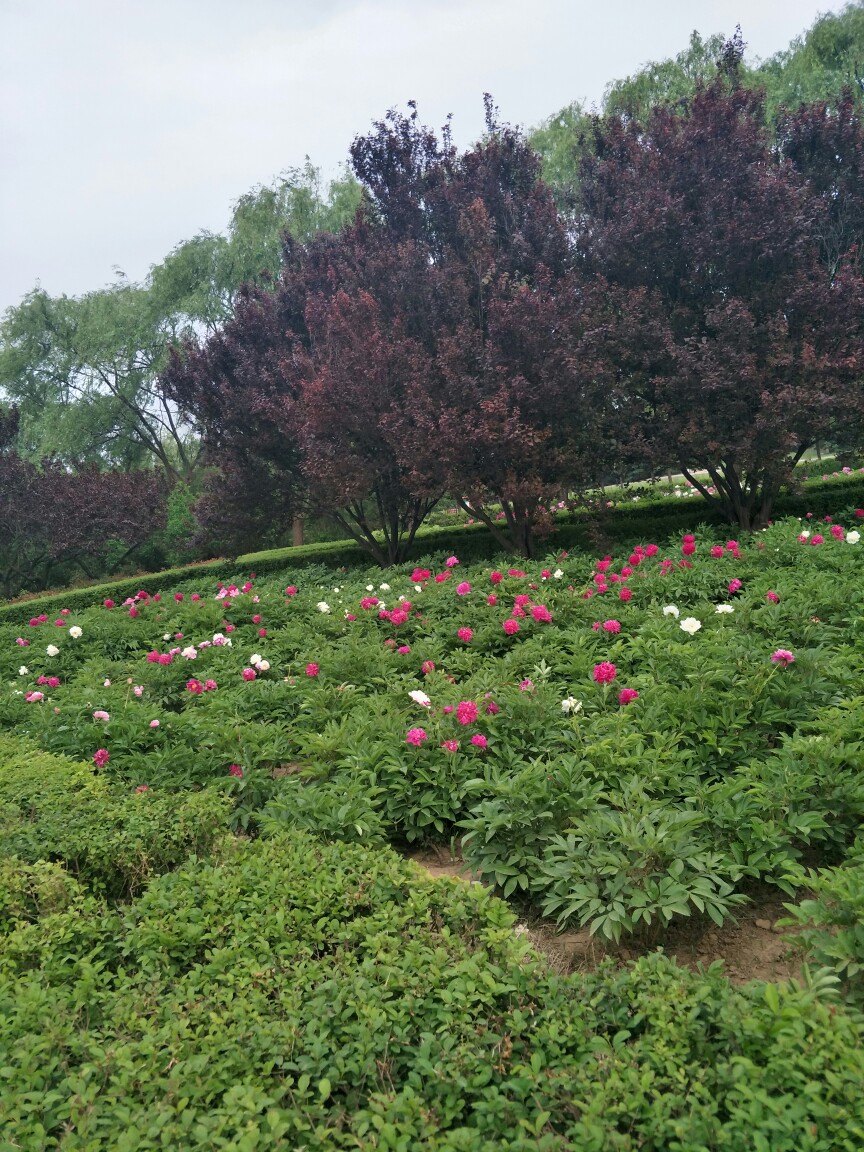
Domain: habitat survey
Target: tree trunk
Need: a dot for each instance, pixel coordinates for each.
(297, 532)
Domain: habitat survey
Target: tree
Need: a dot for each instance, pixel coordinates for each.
(735, 348)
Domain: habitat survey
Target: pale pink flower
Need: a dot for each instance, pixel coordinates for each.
(783, 656)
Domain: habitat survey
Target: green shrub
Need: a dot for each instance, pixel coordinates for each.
(113, 840)
(298, 995)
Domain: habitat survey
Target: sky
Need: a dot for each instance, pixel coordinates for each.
(128, 126)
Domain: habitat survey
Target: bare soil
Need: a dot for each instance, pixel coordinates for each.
(751, 945)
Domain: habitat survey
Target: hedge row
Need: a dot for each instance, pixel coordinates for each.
(653, 519)
(290, 994)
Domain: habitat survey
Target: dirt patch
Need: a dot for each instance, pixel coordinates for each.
(751, 946)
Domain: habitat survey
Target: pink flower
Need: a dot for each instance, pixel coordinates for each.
(59, 623)
(53, 681)
(783, 656)
(22, 643)
(492, 599)
(521, 600)
(248, 673)
(837, 531)
(262, 632)
(368, 602)
(196, 596)
(688, 548)
(451, 562)
(465, 635)
(101, 757)
(143, 787)
(290, 590)
(416, 736)
(397, 616)
(101, 715)
(515, 572)
(492, 709)
(450, 745)
(627, 695)
(463, 589)
(194, 686)
(541, 614)
(34, 697)
(178, 596)
(717, 551)
(479, 740)
(773, 597)
(166, 658)
(605, 673)
(442, 577)
(817, 539)
(311, 669)
(256, 619)
(133, 612)
(734, 585)
(108, 603)
(235, 770)
(611, 626)
(154, 723)
(404, 649)
(466, 712)
(526, 685)
(210, 685)
(625, 594)
(511, 627)
(496, 577)
(651, 550)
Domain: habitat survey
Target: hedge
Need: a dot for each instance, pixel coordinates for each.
(653, 519)
(290, 994)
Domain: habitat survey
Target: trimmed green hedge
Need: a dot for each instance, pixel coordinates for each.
(298, 995)
(623, 525)
(113, 840)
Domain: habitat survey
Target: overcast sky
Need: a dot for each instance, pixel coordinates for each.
(126, 126)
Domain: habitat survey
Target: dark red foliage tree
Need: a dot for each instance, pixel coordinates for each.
(734, 347)
(51, 517)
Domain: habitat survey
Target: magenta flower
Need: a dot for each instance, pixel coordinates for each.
(783, 656)
(511, 627)
(479, 740)
(526, 685)
(416, 736)
(773, 597)
(817, 539)
(463, 589)
(108, 603)
(210, 685)
(627, 695)
(611, 626)
(466, 712)
(492, 709)
(541, 614)
(734, 586)
(450, 745)
(492, 599)
(427, 666)
(194, 686)
(624, 594)
(235, 770)
(496, 577)
(465, 635)
(101, 757)
(311, 669)
(248, 673)
(178, 596)
(717, 551)
(605, 672)
(451, 562)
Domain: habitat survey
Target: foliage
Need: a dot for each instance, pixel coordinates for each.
(464, 1040)
(748, 352)
(52, 809)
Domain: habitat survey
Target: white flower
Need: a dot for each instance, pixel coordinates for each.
(670, 610)
(853, 537)
(805, 532)
(166, 635)
(337, 589)
(571, 704)
(53, 650)
(190, 653)
(255, 658)
(106, 683)
(23, 671)
(75, 632)
(724, 608)
(418, 587)
(557, 574)
(370, 587)
(420, 698)
(323, 606)
(690, 625)
(263, 665)
(384, 587)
